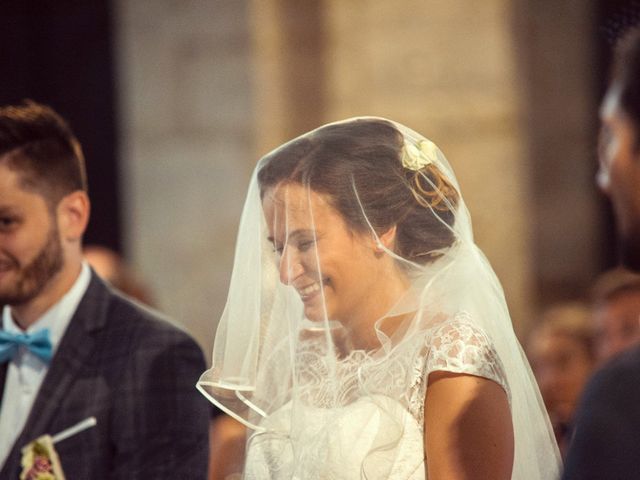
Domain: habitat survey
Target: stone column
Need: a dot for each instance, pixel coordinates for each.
(188, 148)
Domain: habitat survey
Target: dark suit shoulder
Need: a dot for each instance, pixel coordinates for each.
(605, 442)
(142, 323)
(614, 379)
(128, 337)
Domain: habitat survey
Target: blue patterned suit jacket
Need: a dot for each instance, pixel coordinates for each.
(136, 374)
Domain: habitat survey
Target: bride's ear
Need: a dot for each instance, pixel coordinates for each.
(386, 240)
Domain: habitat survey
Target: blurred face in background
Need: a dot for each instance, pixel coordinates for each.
(562, 364)
(617, 323)
(560, 350)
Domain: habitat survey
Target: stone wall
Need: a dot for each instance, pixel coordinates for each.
(187, 129)
(557, 64)
(208, 86)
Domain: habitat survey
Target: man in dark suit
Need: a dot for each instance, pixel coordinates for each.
(606, 442)
(71, 347)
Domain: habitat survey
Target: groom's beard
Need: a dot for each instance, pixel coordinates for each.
(32, 278)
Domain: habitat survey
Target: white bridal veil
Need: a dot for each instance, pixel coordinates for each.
(356, 274)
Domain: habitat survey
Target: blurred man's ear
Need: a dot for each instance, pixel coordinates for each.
(73, 215)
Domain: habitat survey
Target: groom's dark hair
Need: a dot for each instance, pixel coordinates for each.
(37, 143)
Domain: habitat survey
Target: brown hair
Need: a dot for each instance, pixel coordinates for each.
(614, 283)
(364, 156)
(38, 143)
(567, 319)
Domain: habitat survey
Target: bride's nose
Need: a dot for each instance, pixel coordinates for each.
(290, 268)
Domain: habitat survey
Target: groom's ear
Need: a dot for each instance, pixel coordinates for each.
(73, 215)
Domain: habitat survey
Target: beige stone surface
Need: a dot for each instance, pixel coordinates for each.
(187, 148)
(208, 86)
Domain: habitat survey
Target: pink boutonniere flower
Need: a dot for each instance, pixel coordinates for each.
(40, 460)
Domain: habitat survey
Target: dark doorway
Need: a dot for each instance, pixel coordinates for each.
(60, 53)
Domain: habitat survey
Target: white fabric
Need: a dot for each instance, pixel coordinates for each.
(343, 454)
(328, 337)
(456, 345)
(26, 371)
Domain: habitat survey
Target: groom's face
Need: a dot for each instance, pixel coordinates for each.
(30, 247)
(619, 174)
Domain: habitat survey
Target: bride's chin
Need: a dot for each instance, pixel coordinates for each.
(313, 315)
(315, 312)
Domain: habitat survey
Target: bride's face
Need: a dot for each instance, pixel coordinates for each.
(334, 269)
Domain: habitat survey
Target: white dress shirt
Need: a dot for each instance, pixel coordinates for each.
(26, 371)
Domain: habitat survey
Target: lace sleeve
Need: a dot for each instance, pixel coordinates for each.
(459, 346)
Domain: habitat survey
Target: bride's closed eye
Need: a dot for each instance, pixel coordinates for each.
(301, 246)
(304, 245)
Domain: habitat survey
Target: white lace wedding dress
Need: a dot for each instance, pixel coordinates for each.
(369, 434)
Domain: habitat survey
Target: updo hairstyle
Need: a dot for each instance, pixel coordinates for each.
(366, 154)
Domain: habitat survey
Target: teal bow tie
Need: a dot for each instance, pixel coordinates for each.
(37, 343)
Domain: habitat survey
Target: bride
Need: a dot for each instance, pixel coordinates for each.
(365, 335)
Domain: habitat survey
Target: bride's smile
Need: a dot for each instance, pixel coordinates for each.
(339, 274)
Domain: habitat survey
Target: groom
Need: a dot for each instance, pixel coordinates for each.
(71, 347)
(606, 442)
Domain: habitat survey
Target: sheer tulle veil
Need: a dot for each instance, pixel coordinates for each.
(311, 331)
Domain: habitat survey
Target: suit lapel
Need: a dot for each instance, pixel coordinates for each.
(3, 378)
(72, 353)
(3, 366)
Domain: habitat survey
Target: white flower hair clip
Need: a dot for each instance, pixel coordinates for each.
(416, 157)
